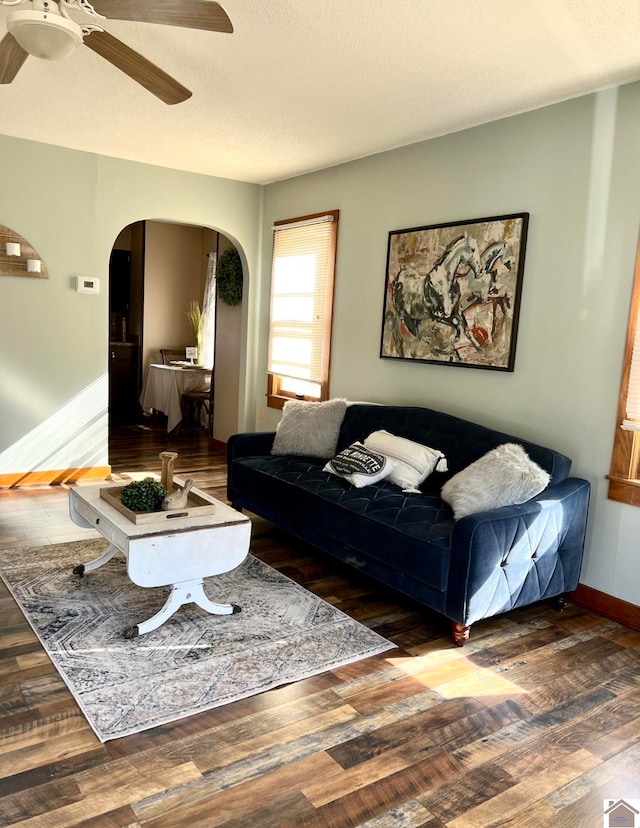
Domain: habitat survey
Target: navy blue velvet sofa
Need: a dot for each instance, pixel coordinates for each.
(479, 566)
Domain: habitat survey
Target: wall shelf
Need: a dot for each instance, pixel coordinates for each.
(17, 265)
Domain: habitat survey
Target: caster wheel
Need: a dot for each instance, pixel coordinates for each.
(131, 632)
(78, 570)
(236, 609)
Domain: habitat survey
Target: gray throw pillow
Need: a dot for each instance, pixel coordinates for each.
(310, 429)
(503, 476)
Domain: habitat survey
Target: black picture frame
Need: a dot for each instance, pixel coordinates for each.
(453, 290)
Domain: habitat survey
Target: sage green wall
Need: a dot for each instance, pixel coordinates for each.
(53, 341)
(575, 168)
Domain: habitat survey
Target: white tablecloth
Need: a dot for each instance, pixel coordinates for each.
(164, 386)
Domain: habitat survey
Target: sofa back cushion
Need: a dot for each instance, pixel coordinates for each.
(461, 442)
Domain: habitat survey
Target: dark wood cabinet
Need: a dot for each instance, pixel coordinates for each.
(123, 381)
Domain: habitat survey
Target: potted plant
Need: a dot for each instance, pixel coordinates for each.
(194, 315)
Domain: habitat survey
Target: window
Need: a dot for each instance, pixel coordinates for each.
(624, 478)
(304, 255)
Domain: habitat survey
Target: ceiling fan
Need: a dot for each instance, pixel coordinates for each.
(47, 30)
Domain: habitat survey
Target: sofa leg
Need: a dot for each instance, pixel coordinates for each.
(559, 603)
(460, 633)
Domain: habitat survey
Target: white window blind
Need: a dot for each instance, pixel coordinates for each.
(300, 278)
(632, 420)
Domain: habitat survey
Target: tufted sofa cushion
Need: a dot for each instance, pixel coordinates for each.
(408, 532)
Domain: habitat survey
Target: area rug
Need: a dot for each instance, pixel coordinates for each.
(194, 661)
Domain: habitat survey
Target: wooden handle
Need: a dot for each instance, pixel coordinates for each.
(168, 459)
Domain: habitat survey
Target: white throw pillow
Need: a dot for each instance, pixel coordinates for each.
(503, 476)
(360, 466)
(413, 461)
(310, 429)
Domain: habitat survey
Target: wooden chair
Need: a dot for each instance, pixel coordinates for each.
(194, 403)
(170, 355)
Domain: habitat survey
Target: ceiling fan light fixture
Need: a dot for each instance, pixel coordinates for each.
(45, 35)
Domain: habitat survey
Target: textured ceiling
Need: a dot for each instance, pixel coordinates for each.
(303, 85)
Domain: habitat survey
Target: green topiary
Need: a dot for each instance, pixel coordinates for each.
(143, 495)
(229, 277)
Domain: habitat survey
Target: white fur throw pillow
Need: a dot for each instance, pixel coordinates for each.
(310, 429)
(360, 466)
(503, 476)
(414, 462)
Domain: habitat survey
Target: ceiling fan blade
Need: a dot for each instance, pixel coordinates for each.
(190, 14)
(12, 56)
(132, 63)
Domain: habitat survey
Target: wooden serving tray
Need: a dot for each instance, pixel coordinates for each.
(195, 507)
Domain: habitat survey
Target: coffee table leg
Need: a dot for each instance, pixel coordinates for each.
(198, 597)
(106, 556)
(185, 593)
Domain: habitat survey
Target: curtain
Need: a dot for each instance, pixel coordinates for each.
(209, 311)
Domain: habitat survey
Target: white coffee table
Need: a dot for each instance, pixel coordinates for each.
(177, 552)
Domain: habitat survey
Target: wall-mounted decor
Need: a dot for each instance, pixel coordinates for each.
(452, 292)
(18, 258)
(229, 277)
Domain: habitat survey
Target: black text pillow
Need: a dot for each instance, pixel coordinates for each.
(360, 466)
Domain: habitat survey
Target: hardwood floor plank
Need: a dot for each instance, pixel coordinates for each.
(288, 807)
(603, 776)
(43, 691)
(409, 814)
(340, 783)
(516, 648)
(588, 810)
(34, 729)
(51, 773)
(38, 801)
(386, 693)
(466, 792)
(365, 747)
(517, 798)
(617, 667)
(120, 818)
(241, 801)
(281, 746)
(373, 800)
(130, 787)
(49, 750)
(608, 744)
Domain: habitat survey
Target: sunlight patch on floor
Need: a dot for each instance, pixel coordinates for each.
(454, 675)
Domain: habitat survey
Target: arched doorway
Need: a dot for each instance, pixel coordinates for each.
(157, 268)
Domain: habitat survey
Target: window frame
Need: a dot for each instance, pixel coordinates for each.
(624, 476)
(276, 396)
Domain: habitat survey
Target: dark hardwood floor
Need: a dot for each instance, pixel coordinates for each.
(533, 723)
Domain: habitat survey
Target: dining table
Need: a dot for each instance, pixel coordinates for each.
(165, 384)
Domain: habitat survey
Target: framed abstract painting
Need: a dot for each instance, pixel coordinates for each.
(452, 292)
